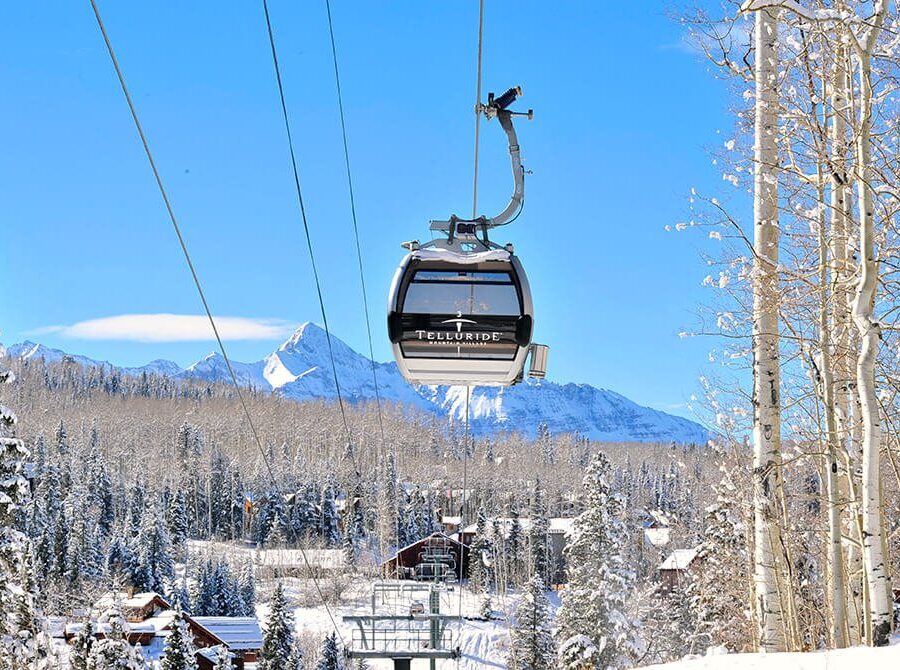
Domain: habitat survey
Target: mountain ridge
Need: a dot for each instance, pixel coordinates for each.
(300, 369)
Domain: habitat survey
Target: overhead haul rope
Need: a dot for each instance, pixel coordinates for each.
(309, 244)
(362, 276)
(462, 511)
(209, 314)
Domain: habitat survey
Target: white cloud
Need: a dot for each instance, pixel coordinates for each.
(171, 328)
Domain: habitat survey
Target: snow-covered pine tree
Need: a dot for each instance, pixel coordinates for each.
(387, 507)
(179, 653)
(178, 593)
(349, 549)
(99, 487)
(154, 554)
(278, 639)
(177, 522)
(593, 604)
(83, 554)
(579, 652)
(722, 589)
(545, 440)
(82, 645)
(330, 658)
(297, 660)
(247, 587)
(479, 555)
(205, 598)
(533, 646)
(23, 643)
(331, 529)
(227, 596)
(121, 566)
(539, 535)
(223, 658)
(113, 652)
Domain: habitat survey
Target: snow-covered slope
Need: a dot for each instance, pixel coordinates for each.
(882, 658)
(599, 413)
(300, 369)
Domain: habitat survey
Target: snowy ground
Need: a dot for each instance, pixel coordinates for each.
(484, 643)
(857, 658)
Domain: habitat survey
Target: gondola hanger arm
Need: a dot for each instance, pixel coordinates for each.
(496, 107)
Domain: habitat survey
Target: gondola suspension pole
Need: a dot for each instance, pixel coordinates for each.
(462, 511)
(477, 109)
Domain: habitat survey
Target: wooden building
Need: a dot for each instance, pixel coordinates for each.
(672, 570)
(436, 557)
(149, 619)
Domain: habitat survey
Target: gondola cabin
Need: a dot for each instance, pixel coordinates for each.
(460, 317)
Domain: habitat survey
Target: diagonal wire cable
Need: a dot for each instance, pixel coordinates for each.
(362, 278)
(309, 245)
(196, 278)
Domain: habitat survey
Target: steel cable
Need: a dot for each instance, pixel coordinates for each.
(209, 314)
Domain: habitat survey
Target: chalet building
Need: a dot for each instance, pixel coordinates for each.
(149, 618)
(437, 556)
(451, 523)
(656, 528)
(676, 566)
(240, 634)
(135, 608)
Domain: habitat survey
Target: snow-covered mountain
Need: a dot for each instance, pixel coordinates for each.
(300, 369)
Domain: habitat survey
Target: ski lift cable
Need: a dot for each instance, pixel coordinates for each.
(362, 277)
(203, 300)
(462, 511)
(309, 244)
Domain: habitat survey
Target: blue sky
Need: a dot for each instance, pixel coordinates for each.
(625, 119)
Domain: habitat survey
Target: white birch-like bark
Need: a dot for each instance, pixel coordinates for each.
(834, 340)
(877, 577)
(837, 592)
(841, 304)
(767, 481)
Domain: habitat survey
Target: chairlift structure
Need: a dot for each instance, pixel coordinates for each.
(460, 308)
(402, 628)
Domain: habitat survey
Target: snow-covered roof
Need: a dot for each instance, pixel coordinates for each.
(680, 559)
(451, 520)
(124, 601)
(657, 537)
(103, 628)
(56, 625)
(238, 633)
(160, 621)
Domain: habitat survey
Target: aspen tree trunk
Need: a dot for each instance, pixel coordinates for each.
(837, 592)
(767, 482)
(841, 303)
(877, 578)
(835, 372)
